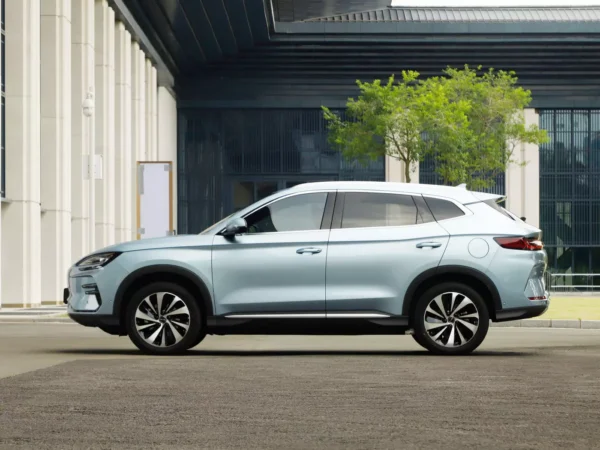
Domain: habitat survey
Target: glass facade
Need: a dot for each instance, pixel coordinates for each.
(570, 190)
(230, 158)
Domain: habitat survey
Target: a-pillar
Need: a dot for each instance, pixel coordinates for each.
(123, 140)
(21, 254)
(167, 137)
(138, 124)
(523, 181)
(82, 128)
(55, 147)
(104, 46)
(394, 171)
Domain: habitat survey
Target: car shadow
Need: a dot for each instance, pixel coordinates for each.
(284, 353)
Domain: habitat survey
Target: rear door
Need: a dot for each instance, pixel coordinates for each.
(378, 244)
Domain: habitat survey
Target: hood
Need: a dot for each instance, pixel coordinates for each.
(179, 241)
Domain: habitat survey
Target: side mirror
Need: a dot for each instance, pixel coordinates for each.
(234, 227)
(523, 219)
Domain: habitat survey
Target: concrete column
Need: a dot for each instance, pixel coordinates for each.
(394, 171)
(55, 147)
(167, 138)
(523, 182)
(123, 139)
(1, 204)
(148, 110)
(138, 124)
(21, 255)
(154, 113)
(82, 79)
(105, 125)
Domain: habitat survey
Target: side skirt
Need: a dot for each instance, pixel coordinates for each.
(296, 325)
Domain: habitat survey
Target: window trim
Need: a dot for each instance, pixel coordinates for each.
(341, 199)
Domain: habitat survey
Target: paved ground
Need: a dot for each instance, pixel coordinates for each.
(64, 386)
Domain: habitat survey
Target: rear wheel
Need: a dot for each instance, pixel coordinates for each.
(164, 319)
(451, 319)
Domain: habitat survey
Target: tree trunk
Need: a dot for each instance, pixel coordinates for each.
(407, 172)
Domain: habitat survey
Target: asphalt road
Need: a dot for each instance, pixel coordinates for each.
(64, 386)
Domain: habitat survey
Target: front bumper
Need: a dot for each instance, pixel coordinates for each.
(94, 320)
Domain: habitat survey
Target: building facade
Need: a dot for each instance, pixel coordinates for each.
(230, 92)
(68, 175)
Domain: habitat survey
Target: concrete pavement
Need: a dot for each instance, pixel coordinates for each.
(66, 386)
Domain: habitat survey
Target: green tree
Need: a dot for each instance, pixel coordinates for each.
(393, 119)
(496, 125)
(469, 121)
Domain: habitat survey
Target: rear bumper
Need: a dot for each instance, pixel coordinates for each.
(525, 312)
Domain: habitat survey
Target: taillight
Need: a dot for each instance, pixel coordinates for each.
(520, 243)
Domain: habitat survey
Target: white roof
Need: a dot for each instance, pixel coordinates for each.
(460, 194)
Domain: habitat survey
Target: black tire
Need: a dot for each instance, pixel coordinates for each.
(456, 330)
(193, 333)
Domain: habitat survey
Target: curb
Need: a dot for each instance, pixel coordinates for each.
(551, 323)
(4, 320)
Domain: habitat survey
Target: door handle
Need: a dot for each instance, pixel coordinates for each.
(311, 250)
(428, 245)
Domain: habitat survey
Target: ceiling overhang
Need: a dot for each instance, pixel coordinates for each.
(241, 39)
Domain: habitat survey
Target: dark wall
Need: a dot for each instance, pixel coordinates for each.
(229, 158)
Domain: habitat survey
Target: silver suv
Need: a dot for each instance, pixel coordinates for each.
(435, 262)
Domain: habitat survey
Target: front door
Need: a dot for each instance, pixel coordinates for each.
(278, 266)
(380, 243)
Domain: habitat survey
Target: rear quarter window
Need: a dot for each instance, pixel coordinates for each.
(443, 209)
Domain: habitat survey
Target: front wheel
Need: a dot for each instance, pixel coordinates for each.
(451, 319)
(163, 319)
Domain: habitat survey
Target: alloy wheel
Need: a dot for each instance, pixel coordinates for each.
(162, 319)
(451, 319)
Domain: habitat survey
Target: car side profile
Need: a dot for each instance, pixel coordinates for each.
(353, 258)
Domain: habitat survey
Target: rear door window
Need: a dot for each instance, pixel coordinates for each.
(370, 209)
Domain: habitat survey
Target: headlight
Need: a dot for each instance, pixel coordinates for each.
(97, 260)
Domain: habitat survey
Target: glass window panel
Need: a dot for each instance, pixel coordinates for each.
(364, 209)
(296, 213)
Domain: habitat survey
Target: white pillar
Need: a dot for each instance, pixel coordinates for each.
(523, 182)
(148, 110)
(123, 133)
(21, 256)
(104, 114)
(1, 195)
(154, 113)
(82, 79)
(55, 147)
(394, 171)
(138, 125)
(167, 137)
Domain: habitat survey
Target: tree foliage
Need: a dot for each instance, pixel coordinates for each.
(470, 121)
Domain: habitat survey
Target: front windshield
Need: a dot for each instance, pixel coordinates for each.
(220, 223)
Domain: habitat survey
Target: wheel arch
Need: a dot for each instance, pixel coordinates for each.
(467, 275)
(166, 273)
